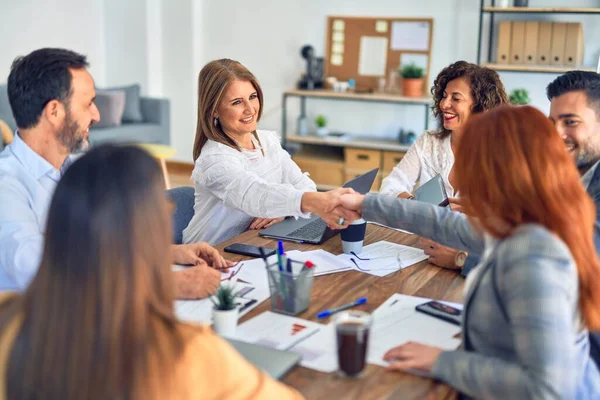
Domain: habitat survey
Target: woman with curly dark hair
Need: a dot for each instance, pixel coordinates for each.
(459, 91)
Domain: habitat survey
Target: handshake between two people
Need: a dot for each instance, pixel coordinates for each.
(338, 207)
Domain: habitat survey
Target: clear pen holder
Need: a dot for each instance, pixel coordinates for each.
(290, 291)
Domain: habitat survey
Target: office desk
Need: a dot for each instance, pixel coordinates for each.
(422, 279)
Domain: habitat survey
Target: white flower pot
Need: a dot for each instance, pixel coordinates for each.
(225, 322)
(322, 131)
(503, 3)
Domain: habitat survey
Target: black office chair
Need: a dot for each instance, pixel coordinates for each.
(184, 211)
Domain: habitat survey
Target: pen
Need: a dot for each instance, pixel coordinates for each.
(280, 253)
(289, 266)
(307, 265)
(327, 313)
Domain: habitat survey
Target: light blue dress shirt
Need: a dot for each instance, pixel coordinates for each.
(27, 183)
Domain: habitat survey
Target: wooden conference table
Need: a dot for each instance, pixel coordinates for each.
(422, 279)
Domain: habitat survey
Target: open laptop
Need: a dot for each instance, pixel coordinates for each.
(314, 230)
(274, 362)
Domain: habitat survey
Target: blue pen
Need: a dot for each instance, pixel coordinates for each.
(280, 253)
(327, 313)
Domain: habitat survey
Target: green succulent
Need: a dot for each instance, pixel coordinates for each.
(519, 97)
(412, 71)
(224, 299)
(321, 121)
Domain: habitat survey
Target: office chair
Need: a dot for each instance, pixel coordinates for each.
(184, 211)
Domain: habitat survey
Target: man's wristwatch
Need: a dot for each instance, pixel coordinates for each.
(460, 259)
(411, 197)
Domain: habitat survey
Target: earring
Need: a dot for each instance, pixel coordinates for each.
(216, 122)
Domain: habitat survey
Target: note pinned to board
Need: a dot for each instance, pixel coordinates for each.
(338, 37)
(381, 26)
(410, 36)
(373, 56)
(337, 48)
(339, 25)
(337, 59)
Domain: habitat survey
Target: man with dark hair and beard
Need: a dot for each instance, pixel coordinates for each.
(51, 94)
(575, 110)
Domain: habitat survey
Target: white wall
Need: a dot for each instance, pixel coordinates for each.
(26, 25)
(178, 27)
(126, 38)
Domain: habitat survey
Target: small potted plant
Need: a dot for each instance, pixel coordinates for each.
(321, 122)
(412, 80)
(519, 97)
(225, 311)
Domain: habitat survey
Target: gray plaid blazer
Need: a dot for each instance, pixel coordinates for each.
(523, 336)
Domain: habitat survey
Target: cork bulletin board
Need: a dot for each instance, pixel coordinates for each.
(367, 48)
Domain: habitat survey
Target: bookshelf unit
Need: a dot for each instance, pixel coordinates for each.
(493, 11)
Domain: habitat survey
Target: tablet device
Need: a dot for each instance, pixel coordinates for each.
(433, 192)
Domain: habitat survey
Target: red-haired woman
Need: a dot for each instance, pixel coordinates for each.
(536, 291)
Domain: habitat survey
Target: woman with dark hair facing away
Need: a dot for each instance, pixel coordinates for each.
(531, 300)
(243, 178)
(461, 90)
(97, 321)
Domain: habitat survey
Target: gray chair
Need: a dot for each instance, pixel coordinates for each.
(184, 211)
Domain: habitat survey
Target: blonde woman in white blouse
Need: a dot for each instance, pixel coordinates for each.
(460, 90)
(242, 176)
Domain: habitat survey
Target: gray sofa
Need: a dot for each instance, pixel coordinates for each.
(155, 127)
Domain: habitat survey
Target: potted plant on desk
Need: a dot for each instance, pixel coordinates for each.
(225, 311)
(412, 80)
(519, 97)
(321, 122)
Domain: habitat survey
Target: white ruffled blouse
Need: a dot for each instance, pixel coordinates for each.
(234, 187)
(426, 158)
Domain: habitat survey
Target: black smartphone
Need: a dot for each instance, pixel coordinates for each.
(441, 311)
(247, 250)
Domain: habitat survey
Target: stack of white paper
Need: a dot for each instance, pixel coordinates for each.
(276, 330)
(325, 262)
(396, 322)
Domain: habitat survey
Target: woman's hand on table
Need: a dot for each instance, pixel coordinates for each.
(198, 254)
(412, 355)
(439, 255)
(261, 223)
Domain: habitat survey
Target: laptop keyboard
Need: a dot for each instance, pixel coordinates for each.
(312, 231)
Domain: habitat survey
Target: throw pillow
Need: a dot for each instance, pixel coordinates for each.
(111, 105)
(133, 106)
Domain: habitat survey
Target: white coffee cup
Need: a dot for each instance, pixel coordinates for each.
(353, 236)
